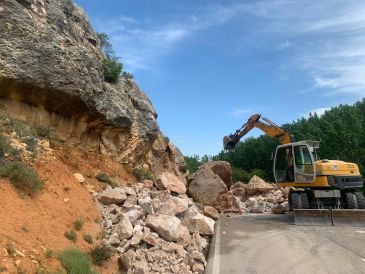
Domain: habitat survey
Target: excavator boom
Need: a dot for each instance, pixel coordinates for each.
(270, 128)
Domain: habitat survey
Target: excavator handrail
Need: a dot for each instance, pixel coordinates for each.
(270, 128)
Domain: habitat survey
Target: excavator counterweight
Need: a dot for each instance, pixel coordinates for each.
(322, 192)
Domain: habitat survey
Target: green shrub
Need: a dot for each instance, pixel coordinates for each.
(46, 133)
(49, 254)
(88, 238)
(103, 177)
(75, 262)
(112, 70)
(10, 249)
(23, 177)
(143, 174)
(127, 75)
(71, 235)
(21, 129)
(100, 254)
(5, 147)
(31, 143)
(78, 224)
(101, 235)
(238, 174)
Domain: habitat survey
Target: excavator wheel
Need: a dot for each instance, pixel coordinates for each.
(351, 200)
(295, 200)
(304, 203)
(360, 200)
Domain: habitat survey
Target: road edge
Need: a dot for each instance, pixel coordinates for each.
(213, 260)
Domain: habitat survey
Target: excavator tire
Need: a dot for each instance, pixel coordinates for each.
(295, 201)
(304, 203)
(360, 200)
(351, 201)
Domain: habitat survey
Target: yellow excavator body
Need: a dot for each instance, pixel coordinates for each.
(324, 169)
(322, 192)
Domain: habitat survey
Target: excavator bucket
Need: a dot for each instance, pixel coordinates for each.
(315, 217)
(348, 217)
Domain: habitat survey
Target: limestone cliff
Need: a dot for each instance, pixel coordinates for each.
(51, 75)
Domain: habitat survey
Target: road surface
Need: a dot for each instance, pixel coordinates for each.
(264, 244)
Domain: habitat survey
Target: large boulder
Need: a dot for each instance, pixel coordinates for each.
(227, 202)
(199, 224)
(222, 169)
(258, 185)
(173, 205)
(168, 227)
(170, 182)
(112, 196)
(206, 187)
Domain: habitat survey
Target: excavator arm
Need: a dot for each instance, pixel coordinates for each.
(271, 129)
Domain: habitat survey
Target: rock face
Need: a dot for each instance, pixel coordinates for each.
(52, 76)
(206, 187)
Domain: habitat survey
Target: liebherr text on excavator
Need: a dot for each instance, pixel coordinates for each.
(323, 192)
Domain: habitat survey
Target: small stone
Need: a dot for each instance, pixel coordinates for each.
(211, 212)
(148, 183)
(146, 204)
(134, 213)
(137, 235)
(79, 178)
(124, 228)
(114, 239)
(149, 239)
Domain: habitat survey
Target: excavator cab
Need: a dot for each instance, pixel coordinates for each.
(295, 162)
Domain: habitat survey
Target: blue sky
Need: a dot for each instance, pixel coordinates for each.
(208, 65)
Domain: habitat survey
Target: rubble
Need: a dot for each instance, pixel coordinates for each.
(156, 230)
(154, 227)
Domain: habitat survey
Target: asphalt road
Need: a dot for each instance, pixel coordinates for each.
(263, 244)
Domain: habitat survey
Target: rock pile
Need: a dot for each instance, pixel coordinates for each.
(258, 197)
(209, 186)
(156, 227)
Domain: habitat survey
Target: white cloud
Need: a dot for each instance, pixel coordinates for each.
(287, 44)
(329, 35)
(241, 113)
(141, 45)
(318, 111)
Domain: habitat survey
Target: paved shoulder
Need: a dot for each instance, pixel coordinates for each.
(263, 244)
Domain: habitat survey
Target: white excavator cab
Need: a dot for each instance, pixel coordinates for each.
(295, 162)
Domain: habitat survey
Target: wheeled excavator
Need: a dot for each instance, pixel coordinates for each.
(322, 192)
